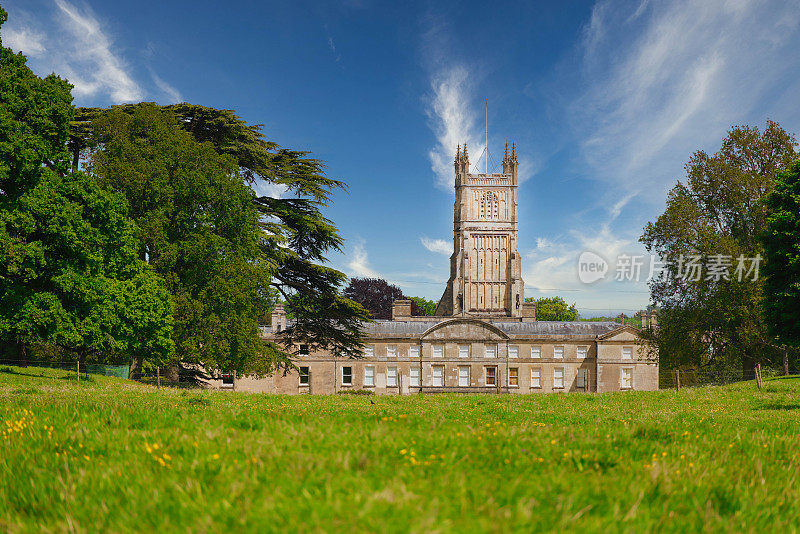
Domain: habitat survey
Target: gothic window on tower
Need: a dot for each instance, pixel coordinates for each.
(489, 206)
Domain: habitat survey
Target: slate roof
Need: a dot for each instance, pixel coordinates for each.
(546, 328)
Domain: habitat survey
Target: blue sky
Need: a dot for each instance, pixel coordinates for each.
(605, 100)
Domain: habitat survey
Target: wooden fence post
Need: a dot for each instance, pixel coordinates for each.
(158, 376)
(677, 379)
(78, 365)
(234, 380)
(785, 361)
(759, 382)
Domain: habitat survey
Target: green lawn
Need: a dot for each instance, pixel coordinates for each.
(112, 455)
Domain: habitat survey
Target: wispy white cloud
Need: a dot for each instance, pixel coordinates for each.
(452, 120)
(25, 40)
(543, 243)
(89, 61)
(617, 207)
(658, 80)
(172, 95)
(455, 109)
(552, 269)
(439, 246)
(77, 45)
(665, 78)
(358, 263)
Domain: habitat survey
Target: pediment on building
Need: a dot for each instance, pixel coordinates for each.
(464, 329)
(623, 333)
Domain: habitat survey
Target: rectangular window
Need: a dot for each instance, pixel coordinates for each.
(463, 351)
(303, 350)
(438, 376)
(627, 378)
(491, 376)
(513, 376)
(536, 352)
(438, 351)
(369, 376)
(581, 380)
(391, 351)
(583, 352)
(413, 377)
(558, 378)
(513, 351)
(391, 377)
(413, 352)
(627, 353)
(536, 378)
(304, 376)
(491, 351)
(347, 376)
(369, 351)
(463, 376)
(558, 352)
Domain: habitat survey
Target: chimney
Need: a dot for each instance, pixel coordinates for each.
(528, 312)
(278, 318)
(643, 317)
(653, 319)
(401, 309)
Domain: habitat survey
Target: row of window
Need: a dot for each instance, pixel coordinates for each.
(490, 351)
(464, 371)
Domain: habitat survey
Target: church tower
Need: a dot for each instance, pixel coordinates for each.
(485, 268)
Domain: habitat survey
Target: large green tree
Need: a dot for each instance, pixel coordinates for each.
(69, 272)
(781, 240)
(198, 228)
(227, 253)
(711, 317)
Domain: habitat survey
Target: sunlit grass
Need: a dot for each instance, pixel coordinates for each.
(108, 454)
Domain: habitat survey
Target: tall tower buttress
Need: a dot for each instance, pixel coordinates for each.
(485, 268)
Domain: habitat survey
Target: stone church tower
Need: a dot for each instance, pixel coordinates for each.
(485, 268)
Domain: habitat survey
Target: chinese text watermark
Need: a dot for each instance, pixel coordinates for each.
(693, 267)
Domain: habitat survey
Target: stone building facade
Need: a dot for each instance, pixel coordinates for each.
(483, 337)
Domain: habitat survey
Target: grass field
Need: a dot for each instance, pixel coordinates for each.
(111, 455)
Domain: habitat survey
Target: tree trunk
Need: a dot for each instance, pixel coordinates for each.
(22, 355)
(748, 366)
(135, 372)
(172, 372)
(785, 361)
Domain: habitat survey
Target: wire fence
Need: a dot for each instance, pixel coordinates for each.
(676, 378)
(176, 376)
(75, 368)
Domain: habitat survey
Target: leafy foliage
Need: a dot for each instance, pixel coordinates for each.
(198, 228)
(34, 124)
(781, 241)
(634, 321)
(69, 274)
(423, 305)
(376, 296)
(717, 211)
(554, 309)
(291, 235)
